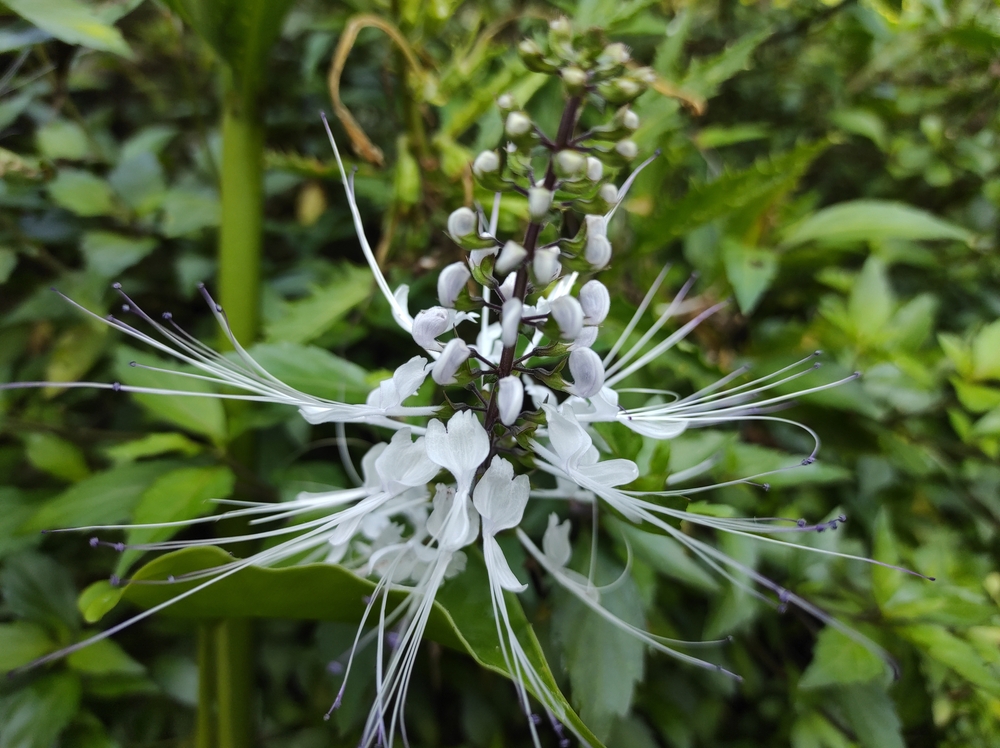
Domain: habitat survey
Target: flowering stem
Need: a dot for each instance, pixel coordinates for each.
(566, 126)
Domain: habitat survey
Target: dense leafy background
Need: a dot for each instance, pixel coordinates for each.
(834, 171)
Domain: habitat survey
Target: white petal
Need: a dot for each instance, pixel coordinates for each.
(500, 497)
(610, 472)
(461, 448)
(497, 566)
(555, 541)
(510, 399)
(588, 372)
(566, 435)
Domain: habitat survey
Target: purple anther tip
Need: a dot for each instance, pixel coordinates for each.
(117, 286)
(115, 580)
(94, 542)
(536, 719)
(126, 308)
(167, 316)
(808, 460)
(766, 486)
(116, 386)
(335, 668)
(120, 547)
(171, 578)
(201, 286)
(818, 352)
(133, 364)
(800, 522)
(842, 518)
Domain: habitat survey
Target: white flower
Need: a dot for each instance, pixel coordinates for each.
(517, 124)
(510, 399)
(546, 265)
(568, 315)
(539, 202)
(454, 355)
(428, 325)
(486, 162)
(460, 448)
(462, 222)
(555, 541)
(627, 148)
(451, 281)
(587, 371)
(608, 193)
(595, 169)
(595, 302)
(500, 498)
(511, 256)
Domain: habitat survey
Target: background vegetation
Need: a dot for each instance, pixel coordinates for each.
(832, 167)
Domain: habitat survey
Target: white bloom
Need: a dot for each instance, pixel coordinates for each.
(428, 325)
(597, 250)
(631, 120)
(510, 321)
(462, 222)
(460, 448)
(455, 354)
(587, 337)
(510, 399)
(451, 281)
(595, 301)
(454, 522)
(539, 203)
(555, 541)
(511, 256)
(570, 163)
(546, 265)
(568, 315)
(486, 162)
(500, 498)
(587, 371)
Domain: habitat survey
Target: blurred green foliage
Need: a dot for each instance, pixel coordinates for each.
(831, 167)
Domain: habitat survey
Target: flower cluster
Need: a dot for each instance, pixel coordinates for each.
(511, 345)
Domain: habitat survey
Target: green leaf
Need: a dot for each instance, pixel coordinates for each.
(838, 660)
(976, 398)
(988, 425)
(870, 220)
(33, 716)
(459, 619)
(861, 122)
(986, 353)
(103, 657)
(705, 75)
(957, 351)
(604, 663)
(72, 22)
(308, 318)
(716, 136)
(74, 353)
(314, 371)
(153, 445)
(200, 415)
(103, 498)
(21, 642)
(667, 556)
(56, 456)
(82, 193)
(940, 644)
(8, 261)
(98, 599)
(37, 588)
(872, 714)
(751, 459)
(107, 253)
(750, 272)
(188, 210)
(181, 494)
(871, 301)
(60, 139)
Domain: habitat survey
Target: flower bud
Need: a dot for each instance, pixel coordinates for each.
(630, 119)
(598, 251)
(510, 398)
(627, 149)
(510, 321)
(569, 163)
(534, 57)
(587, 337)
(615, 54)
(486, 162)
(587, 370)
(595, 302)
(595, 169)
(574, 78)
(568, 314)
(517, 124)
(428, 325)
(561, 28)
(506, 288)
(539, 202)
(546, 265)
(511, 257)
(608, 193)
(451, 281)
(506, 102)
(462, 222)
(620, 90)
(455, 354)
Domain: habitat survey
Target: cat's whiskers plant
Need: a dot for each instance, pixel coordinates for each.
(520, 399)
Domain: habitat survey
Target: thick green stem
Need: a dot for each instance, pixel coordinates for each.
(242, 217)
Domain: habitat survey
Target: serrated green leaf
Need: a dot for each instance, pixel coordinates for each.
(460, 618)
(957, 351)
(103, 498)
(940, 644)
(60, 139)
(199, 415)
(750, 272)
(870, 220)
(72, 22)
(21, 642)
(872, 714)
(838, 660)
(308, 318)
(976, 398)
(82, 193)
(188, 210)
(37, 588)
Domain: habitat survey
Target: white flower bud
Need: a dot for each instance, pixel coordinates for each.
(476, 256)
(595, 169)
(595, 301)
(561, 25)
(486, 162)
(597, 250)
(627, 148)
(506, 101)
(428, 325)
(454, 355)
(608, 193)
(587, 371)
(645, 74)
(616, 53)
(574, 77)
(462, 222)
(510, 398)
(539, 202)
(629, 89)
(510, 321)
(630, 119)
(555, 541)
(517, 124)
(568, 314)
(587, 337)
(569, 163)
(451, 281)
(511, 256)
(546, 265)
(507, 287)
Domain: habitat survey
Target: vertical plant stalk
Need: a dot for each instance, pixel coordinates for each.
(225, 714)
